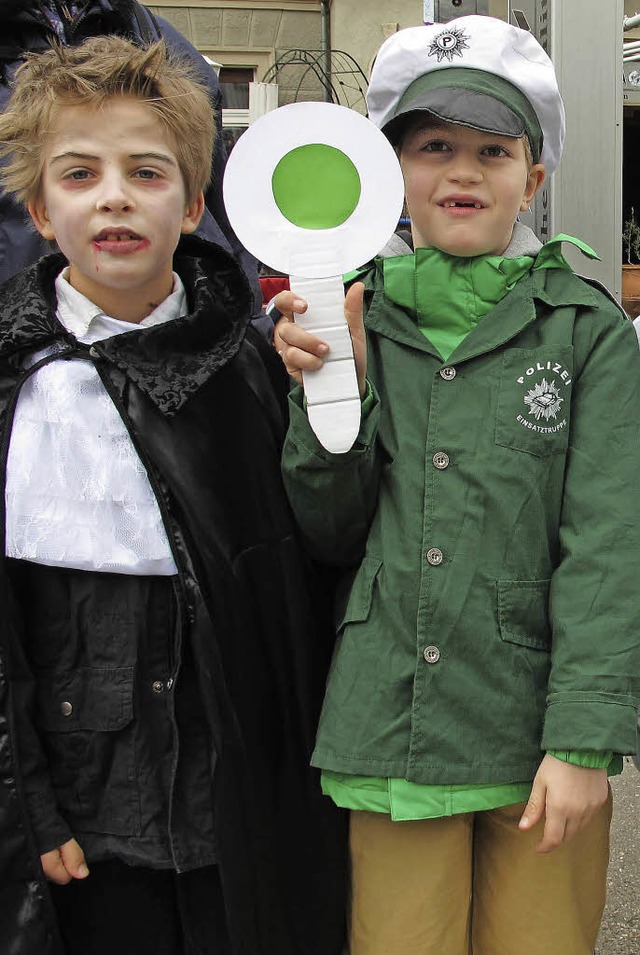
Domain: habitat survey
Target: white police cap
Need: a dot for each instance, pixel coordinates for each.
(476, 71)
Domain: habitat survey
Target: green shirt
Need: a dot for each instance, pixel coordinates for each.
(404, 800)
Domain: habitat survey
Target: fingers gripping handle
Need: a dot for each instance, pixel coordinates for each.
(333, 398)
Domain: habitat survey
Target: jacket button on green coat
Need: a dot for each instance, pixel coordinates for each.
(448, 373)
(434, 556)
(431, 654)
(441, 460)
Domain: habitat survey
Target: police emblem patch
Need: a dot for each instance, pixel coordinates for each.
(449, 43)
(546, 396)
(543, 400)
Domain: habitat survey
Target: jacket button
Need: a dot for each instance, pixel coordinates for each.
(66, 708)
(431, 654)
(434, 556)
(157, 686)
(441, 460)
(448, 373)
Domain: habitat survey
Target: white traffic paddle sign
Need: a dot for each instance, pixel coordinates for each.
(315, 190)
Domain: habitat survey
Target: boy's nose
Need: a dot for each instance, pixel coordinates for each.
(114, 196)
(465, 169)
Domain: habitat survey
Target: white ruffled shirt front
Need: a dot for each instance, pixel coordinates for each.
(77, 493)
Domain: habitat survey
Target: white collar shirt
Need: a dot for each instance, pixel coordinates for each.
(77, 493)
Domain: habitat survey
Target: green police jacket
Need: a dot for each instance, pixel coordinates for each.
(487, 522)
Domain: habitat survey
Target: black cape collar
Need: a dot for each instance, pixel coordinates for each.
(168, 362)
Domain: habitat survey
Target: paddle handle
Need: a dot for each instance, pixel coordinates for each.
(333, 397)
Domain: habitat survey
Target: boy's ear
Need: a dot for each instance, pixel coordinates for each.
(192, 215)
(38, 211)
(536, 177)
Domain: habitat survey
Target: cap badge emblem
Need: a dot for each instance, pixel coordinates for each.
(449, 43)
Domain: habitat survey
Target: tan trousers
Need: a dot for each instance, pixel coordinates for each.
(473, 884)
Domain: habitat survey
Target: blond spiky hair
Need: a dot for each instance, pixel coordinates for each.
(99, 70)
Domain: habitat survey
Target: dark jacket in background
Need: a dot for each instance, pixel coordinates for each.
(25, 28)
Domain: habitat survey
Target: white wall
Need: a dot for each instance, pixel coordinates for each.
(360, 26)
(587, 52)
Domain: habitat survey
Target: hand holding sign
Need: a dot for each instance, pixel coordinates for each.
(315, 190)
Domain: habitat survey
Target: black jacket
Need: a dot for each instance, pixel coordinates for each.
(24, 28)
(203, 398)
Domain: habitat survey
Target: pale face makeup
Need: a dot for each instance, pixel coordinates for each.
(114, 199)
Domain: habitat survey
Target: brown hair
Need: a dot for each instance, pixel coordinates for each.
(99, 70)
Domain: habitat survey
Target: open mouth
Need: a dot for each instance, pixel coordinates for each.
(461, 204)
(117, 241)
(106, 236)
(118, 237)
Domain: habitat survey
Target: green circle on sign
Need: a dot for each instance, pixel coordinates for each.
(316, 186)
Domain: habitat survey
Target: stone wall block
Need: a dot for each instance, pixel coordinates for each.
(179, 18)
(291, 94)
(285, 96)
(300, 31)
(264, 27)
(301, 76)
(207, 27)
(236, 27)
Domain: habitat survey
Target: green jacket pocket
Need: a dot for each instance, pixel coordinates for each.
(358, 602)
(523, 613)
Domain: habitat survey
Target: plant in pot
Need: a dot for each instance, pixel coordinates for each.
(631, 266)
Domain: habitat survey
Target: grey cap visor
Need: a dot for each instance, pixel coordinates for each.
(475, 110)
(470, 98)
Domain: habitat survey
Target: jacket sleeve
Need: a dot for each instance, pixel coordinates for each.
(49, 829)
(333, 496)
(595, 660)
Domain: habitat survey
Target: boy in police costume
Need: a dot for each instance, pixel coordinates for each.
(482, 688)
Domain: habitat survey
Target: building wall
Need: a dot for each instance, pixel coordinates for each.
(255, 33)
(360, 27)
(251, 34)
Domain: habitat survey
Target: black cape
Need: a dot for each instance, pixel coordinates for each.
(204, 399)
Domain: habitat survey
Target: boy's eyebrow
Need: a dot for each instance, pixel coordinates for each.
(71, 154)
(161, 156)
